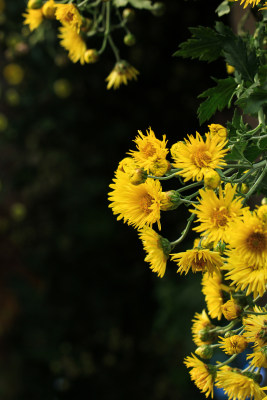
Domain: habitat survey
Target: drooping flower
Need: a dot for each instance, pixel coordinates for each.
(256, 327)
(215, 293)
(200, 329)
(69, 16)
(216, 214)
(198, 259)
(259, 357)
(234, 344)
(196, 157)
(151, 153)
(33, 18)
(73, 43)
(136, 205)
(203, 375)
(121, 74)
(157, 249)
(239, 386)
(245, 275)
(249, 238)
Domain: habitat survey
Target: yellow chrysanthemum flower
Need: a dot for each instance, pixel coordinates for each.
(245, 275)
(215, 293)
(199, 260)
(231, 310)
(121, 74)
(127, 165)
(203, 375)
(136, 205)
(150, 151)
(256, 327)
(218, 130)
(259, 357)
(200, 329)
(196, 157)
(216, 214)
(69, 16)
(238, 385)
(249, 238)
(234, 344)
(157, 248)
(73, 43)
(33, 18)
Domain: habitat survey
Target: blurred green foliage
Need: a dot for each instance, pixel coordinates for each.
(81, 314)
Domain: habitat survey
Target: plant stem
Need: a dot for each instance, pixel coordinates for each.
(185, 232)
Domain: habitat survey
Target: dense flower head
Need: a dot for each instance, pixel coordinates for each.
(249, 238)
(256, 327)
(231, 310)
(202, 374)
(136, 205)
(33, 18)
(200, 329)
(215, 292)
(151, 153)
(69, 16)
(73, 43)
(237, 385)
(198, 260)
(196, 157)
(246, 275)
(157, 249)
(233, 344)
(121, 74)
(217, 213)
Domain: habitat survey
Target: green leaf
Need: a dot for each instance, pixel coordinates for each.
(253, 98)
(205, 44)
(120, 3)
(223, 8)
(146, 4)
(237, 152)
(218, 98)
(236, 126)
(252, 152)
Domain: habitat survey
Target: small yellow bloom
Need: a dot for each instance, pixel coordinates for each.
(212, 180)
(205, 351)
(49, 9)
(157, 249)
(199, 260)
(170, 200)
(234, 344)
(200, 329)
(69, 16)
(231, 310)
(121, 74)
(218, 130)
(91, 56)
(230, 69)
(138, 176)
(203, 375)
(127, 165)
(33, 18)
(13, 74)
(73, 43)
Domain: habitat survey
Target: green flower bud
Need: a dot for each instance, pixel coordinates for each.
(34, 4)
(128, 14)
(129, 39)
(158, 9)
(205, 351)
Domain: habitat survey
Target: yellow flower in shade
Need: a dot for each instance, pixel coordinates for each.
(198, 260)
(249, 238)
(203, 375)
(69, 16)
(259, 357)
(238, 385)
(49, 9)
(200, 329)
(215, 293)
(157, 249)
(218, 130)
(33, 18)
(216, 214)
(234, 344)
(136, 205)
(244, 275)
(196, 157)
(13, 74)
(151, 153)
(73, 43)
(256, 327)
(121, 74)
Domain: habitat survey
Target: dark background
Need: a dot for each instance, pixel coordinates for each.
(81, 313)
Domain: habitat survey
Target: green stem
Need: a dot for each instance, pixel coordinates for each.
(257, 183)
(254, 312)
(107, 28)
(162, 178)
(226, 362)
(190, 186)
(184, 233)
(261, 118)
(114, 48)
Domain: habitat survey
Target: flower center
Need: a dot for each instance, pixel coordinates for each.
(145, 203)
(148, 150)
(256, 242)
(220, 217)
(199, 264)
(201, 158)
(69, 16)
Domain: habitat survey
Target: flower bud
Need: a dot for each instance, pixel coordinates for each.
(170, 200)
(34, 4)
(91, 56)
(138, 176)
(230, 69)
(86, 24)
(212, 179)
(262, 213)
(205, 335)
(49, 9)
(159, 167)
(264, 201)
(231, 310)
(244, 188)
(158, 9)
(128, 14)
(205, 351)
(220, 247)
(217, 129)
(129, 39)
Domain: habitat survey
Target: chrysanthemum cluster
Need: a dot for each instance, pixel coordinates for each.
(80, 21)
(231, 251)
